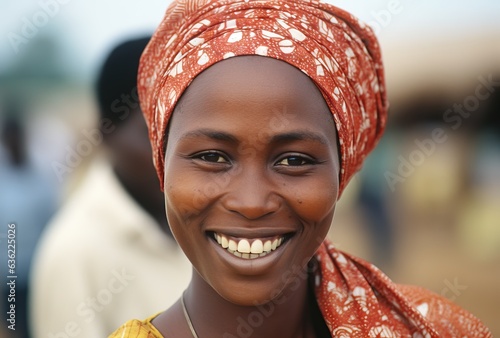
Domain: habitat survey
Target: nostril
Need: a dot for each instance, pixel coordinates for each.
(252, 215)
(255, 210)
(251, 196)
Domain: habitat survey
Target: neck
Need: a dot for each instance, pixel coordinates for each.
(150, 201)
(213, 316)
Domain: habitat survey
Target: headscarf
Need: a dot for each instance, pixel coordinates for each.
(358, 300)
(337, 51)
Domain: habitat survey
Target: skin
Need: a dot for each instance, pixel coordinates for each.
(251, 152)
(130, 154)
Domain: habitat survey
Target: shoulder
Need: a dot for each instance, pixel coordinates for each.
(86, 224)
(447, 318)
(137, 329)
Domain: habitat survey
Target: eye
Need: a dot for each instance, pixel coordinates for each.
(212, 157)
(294, 161)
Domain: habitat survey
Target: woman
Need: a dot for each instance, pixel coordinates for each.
(259, 114)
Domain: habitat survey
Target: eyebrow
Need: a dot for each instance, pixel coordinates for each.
(297, 135)
(210, 133)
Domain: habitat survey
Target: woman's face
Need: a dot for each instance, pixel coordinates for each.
(251, 176)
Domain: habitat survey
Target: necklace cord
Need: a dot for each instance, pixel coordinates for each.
(188, 319)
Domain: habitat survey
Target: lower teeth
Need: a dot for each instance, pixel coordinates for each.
(246, 255)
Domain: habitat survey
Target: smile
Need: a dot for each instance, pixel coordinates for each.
(249, 248)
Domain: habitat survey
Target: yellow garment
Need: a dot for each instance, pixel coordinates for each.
(137, 329)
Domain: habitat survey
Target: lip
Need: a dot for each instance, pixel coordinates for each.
(254, 266)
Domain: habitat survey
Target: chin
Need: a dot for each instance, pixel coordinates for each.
(252, 295)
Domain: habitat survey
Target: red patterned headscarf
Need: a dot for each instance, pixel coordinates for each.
(337, 51)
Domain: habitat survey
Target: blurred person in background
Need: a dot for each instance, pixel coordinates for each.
(372, 201)
(479, 219)
(106, 247)
(27, 201)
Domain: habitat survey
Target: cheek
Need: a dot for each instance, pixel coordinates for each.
(188, 193)
(315, 201)
(181, 198)
(182, 213)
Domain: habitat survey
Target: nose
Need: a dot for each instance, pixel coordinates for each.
(251, 194)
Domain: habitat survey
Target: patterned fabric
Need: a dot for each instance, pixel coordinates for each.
(339, 53)
(358, 301)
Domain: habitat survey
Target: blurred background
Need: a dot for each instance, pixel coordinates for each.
(426, 207)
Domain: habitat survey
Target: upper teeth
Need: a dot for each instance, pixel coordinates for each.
(248, 248)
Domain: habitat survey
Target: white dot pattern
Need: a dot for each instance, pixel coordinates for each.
(357, 301)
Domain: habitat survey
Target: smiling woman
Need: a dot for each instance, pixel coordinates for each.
(259, 113)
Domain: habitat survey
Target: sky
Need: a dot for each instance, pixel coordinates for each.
(88, 29)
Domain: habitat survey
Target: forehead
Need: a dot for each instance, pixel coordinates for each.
(254, 91)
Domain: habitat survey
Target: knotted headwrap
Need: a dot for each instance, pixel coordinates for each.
(338, 52)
